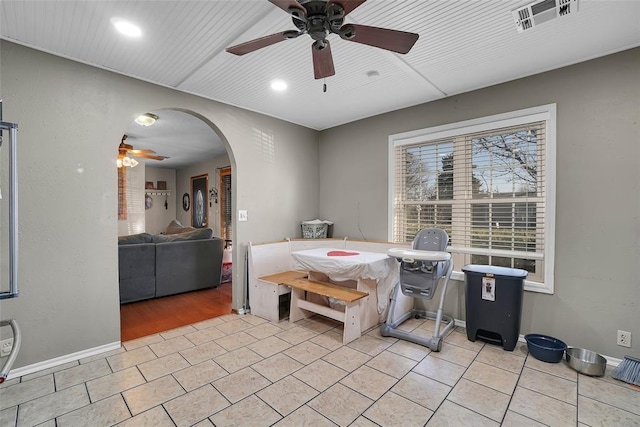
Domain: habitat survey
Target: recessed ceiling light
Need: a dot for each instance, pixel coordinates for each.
(125, 27)
(279, 85)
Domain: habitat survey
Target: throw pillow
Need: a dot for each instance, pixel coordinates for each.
(175, 227)
(196, 234)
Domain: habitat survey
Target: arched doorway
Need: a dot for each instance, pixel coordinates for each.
(169, 159)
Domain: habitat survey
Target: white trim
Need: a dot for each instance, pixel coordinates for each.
(61, 360)
(390, 186)
(529, 285)
(496, 252)
(550, 202)
(513, 118)
(611, 361)
(540, 113)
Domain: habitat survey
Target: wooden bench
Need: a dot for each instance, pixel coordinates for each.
(269, 265)
(280, 278)
(300, 306)
(268, 290)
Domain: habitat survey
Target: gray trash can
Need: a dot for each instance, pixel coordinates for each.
(494, 303)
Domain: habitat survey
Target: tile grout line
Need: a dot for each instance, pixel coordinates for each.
(457, 382)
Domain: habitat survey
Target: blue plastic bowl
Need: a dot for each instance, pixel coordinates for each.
(545, 348)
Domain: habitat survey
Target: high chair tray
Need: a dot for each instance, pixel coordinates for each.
(410, 255)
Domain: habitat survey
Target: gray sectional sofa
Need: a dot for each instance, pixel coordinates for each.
(151, 266)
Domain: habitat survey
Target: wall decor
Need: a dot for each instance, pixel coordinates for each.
(186, 202)
(200, 211)
(162, 185)
(148, 202)
(148, 185)
(213, 195)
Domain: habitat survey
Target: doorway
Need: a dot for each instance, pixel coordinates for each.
(161, 196)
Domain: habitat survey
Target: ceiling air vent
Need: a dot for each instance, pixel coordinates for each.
(542, 11)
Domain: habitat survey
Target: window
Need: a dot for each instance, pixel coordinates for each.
(489, 182)
(225, 203)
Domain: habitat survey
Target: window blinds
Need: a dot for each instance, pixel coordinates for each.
(486, 189)
(226, 205)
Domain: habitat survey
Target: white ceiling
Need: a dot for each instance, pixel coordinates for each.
(182, 138)
(463, 45)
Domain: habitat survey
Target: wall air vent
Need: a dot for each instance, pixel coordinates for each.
(542, 11)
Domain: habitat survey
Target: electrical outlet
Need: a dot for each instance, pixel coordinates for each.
(624, 338)
(5, 347)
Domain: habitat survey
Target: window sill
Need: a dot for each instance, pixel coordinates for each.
(528, 285)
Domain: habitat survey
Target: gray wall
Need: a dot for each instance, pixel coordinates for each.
(597, 285)
(158, 217)
(71, 119)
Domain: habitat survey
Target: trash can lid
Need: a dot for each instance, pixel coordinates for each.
(495, 271)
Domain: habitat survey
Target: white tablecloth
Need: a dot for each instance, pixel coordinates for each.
(364, 265)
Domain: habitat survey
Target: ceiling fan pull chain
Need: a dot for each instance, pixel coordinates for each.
(324, 86)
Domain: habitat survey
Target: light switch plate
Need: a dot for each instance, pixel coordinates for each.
(243, 215)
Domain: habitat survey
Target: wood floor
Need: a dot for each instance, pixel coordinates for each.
(139, 319)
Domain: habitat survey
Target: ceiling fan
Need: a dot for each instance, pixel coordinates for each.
(319, 18)
(125, 150)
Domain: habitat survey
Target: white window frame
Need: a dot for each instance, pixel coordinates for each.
(545, 113)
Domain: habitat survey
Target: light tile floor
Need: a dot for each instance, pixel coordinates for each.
(243, 371)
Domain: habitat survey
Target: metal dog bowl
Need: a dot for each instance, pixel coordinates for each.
(586, 361)
(545, 348)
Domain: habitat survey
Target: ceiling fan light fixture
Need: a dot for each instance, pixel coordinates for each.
(146, 119)
(279, 85)
(125, 27)
(127, 161)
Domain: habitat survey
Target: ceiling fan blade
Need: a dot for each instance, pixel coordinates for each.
(253, 45)
(142, 151)
(148, 156)
(322, 60)
(393, 40)
(347, 5)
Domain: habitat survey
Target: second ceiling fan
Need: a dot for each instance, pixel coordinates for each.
(319, 18)
(125, 149)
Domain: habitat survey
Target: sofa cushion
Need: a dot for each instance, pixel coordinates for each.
(196, 234)
(135, 239)
(175, 227)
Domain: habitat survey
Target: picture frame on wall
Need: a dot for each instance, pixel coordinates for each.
(199, 197)
(148, 185)
(186, 202)
(162, 185)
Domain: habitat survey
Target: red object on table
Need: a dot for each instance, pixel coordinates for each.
(341, 253)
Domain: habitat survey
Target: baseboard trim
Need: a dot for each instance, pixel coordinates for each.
(52, 363)
(611, 361)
